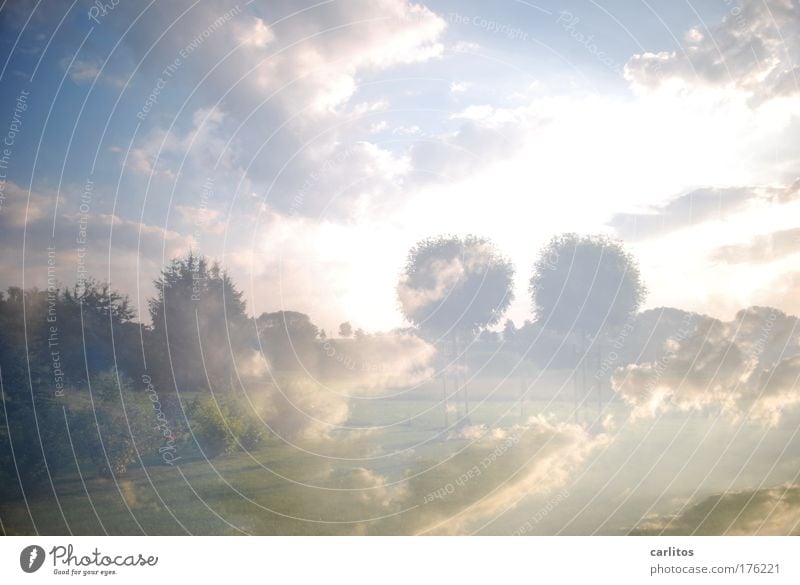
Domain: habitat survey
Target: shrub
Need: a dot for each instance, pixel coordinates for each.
(113, 426)
(220, 427)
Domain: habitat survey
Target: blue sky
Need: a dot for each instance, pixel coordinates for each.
(309, 145)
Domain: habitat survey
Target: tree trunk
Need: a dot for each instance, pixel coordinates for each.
(444, 392)
(599, 384)
(523, 388)
(466, 389)
(575, 385)
(584, 368)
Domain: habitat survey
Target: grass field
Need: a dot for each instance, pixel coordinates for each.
(376, 482)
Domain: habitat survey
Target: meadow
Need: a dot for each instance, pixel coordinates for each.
(640, 470)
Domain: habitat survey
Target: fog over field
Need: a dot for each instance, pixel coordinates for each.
(367, 268)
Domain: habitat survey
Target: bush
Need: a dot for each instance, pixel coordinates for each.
(210, 426)
(40, 444)
(110, 432)
(249, 427)
(220, 428)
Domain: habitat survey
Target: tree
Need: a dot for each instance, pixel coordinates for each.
(220, 427)
(114, 426)
(454, 285)
(211, 426)
(345, 329)
(509, 331)
(452, 288)
(198, 324)
(490, 336)
(95, 324)
(289, 340)
(585, 285)
(51, 343)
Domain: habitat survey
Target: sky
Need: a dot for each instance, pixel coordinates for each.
(308, 146)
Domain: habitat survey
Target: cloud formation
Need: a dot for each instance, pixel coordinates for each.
(452, 284)
(374, 363)
(765, 512)
(755, 49)
(760, 249)
(748, 367)
(499, 470)
(280, 93)
(684, 211)
(76, 241)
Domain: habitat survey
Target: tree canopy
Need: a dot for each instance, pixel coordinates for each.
(453, 286)
(585, 284)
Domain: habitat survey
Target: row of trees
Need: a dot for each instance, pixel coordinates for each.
(83, 381)
(459, 287)
(453, 289)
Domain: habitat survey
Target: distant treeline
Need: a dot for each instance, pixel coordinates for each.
(86, 386)
(84, 383)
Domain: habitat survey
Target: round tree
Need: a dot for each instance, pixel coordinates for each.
(455, 287)
(452, 288)
(585, 284)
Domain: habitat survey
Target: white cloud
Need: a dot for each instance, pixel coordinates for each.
(340, 42)
(513, 464)
(124, 251)
(82, 71)
(754, 49)
(378, 362)
(257, 34)
(749, 367)
(515, 174)
(771, 511)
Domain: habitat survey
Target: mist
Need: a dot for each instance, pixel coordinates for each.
(389, 268)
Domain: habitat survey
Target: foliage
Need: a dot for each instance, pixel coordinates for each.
(115, 427)
(289, 341)
(198, 325)
(585, 284)
(221, 426)
(455, 286)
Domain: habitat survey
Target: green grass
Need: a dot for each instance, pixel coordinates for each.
(278, 489)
